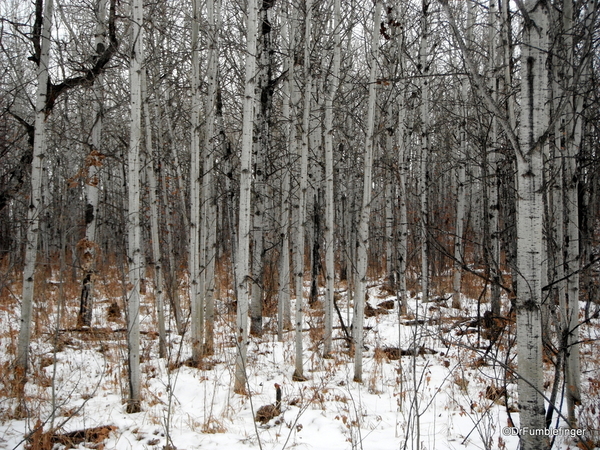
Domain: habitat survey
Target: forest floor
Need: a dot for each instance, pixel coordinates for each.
(436, 380)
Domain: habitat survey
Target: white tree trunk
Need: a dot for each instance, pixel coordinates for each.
(263, 113)
(301, 210)
(153, 188)
(365, 215)
(530, 212)
(33, 212)
(403, 171)
(170, 231)
(424, 169)
(93, 162)
(461, 195)
(574, 136)
(209, 216)
(243, 255)
(329, 180)
(196, 296)
(283, 302)
(133, 222)
(493, 198)
(284, 318)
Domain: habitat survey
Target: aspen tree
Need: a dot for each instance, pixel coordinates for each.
(93, 161)
(263, 118)
(403, 171)
(493, 213)
(170, 231)
(530, 212)
(134, 231)
(150, 165)
(33, 211)
(283, 298)
(243, 255)
(461, 195)
(302, 201)
(365, 214)
(424, 169)
(284, 319)
(572, 257)
(196, 296)
(329, 180)
(209, 215)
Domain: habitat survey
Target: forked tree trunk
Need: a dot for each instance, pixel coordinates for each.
(33, 212)
(134, 197)
(365, 214)
(530, 212)
(243, 257)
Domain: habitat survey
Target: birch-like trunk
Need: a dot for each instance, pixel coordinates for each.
(424, 169)
(173, 284)
(365, 214)
(35, 199)
(302, 201)
(283, 301)
(329, 181)
(284, 319)
(196, 296)
(572, 257)
(153, 188)
(209, 209)
(530, 213)
(133, 218)
(461, 202)
(493, 213)
(263, 117)
(403, 171)
(243, 255)
(461, 194)
(93, 162)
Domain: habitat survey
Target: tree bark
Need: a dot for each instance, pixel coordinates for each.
(329, 182)
(424, 169)
(33, 211)
(196, 295)
(154, 192)
(133, 219)
(93, 162)
(302, 193)
(243, 256)
(530, 212)
(365, 215)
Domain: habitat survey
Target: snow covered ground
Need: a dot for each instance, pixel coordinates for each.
(449, 395)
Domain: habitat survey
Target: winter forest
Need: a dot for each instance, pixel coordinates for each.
(315, 224)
